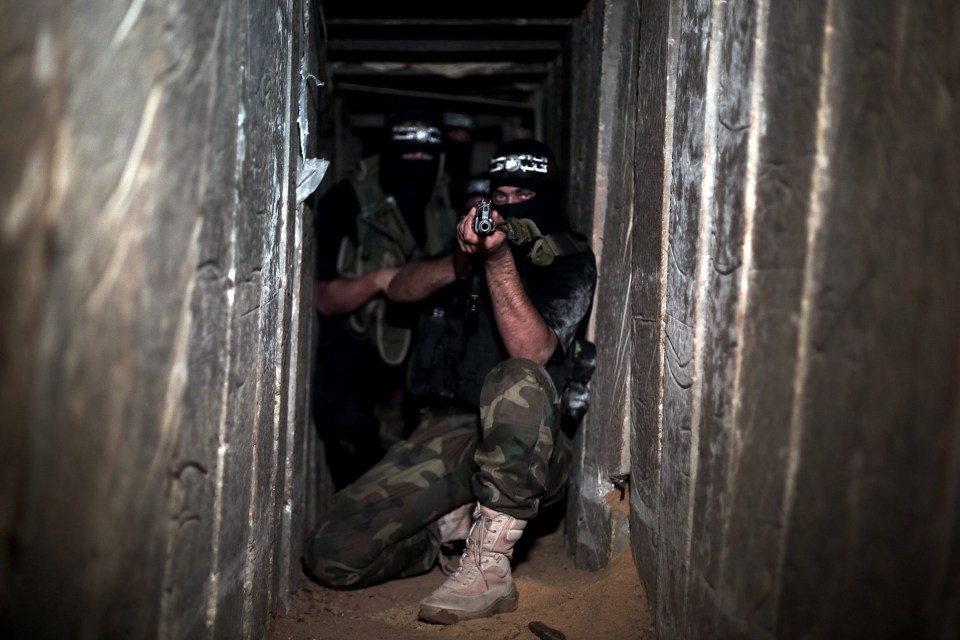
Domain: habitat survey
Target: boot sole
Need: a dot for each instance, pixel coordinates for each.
(437, 615)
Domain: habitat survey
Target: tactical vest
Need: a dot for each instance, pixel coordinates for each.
(384, 240)
(444, 371)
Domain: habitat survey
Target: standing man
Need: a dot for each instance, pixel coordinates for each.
(488, 369)
(391, 208)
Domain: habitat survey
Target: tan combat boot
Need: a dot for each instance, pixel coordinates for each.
(483, 585)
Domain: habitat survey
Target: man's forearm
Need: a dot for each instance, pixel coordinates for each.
(343, 295)
(523, 330)
(418, 280)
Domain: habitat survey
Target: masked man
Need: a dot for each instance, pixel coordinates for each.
(391, 208)
(500, 316)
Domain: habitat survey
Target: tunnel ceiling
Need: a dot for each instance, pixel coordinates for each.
(490, 57)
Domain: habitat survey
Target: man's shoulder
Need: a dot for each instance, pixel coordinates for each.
(568, 276)
(582, 263)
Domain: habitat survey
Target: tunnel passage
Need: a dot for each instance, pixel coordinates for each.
(771, 191)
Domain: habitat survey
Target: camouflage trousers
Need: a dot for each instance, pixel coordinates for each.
(510, 458)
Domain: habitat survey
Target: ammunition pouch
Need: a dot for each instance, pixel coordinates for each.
(432, 373)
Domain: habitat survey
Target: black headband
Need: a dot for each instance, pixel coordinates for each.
(415, 132)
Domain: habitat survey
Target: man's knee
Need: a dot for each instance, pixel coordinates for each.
(336, 559)
(519, 380)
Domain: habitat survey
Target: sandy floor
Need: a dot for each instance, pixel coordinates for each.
(609, 604)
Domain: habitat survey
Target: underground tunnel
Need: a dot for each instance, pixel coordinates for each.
(772, 446)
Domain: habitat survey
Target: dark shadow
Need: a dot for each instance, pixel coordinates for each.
(548, 521)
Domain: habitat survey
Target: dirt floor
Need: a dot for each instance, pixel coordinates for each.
(573, 604)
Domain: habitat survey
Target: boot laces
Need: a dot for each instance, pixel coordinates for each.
(471, 560)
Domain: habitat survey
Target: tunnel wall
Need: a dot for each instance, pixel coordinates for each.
(777, 314)
(602, 198)
(153, 381)
(788, 360)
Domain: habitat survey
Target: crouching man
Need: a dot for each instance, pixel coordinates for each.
(500, 314)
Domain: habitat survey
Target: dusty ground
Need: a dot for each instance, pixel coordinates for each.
(609, 604)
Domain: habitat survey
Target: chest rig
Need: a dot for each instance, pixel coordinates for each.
(384, 240)
(446, 370)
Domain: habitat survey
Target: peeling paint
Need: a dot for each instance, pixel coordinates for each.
(310, 171)
(309, 176)
(303, 118)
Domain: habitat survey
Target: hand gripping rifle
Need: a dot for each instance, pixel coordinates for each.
(483, 225)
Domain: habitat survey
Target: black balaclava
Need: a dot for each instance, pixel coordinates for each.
(478, 186)
(529, 164)
(409, 181)
(458, 130)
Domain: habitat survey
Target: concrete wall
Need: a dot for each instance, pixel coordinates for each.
(152, 386)
(790, 350)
